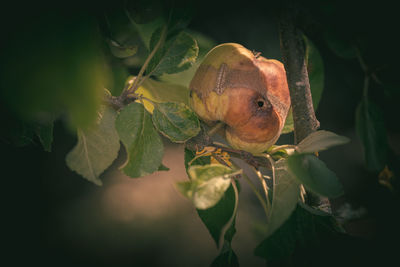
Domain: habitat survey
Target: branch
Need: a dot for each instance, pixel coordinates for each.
(202, 140)
(118, 103)
(293, 52)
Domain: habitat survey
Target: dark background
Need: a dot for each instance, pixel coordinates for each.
(51, 216)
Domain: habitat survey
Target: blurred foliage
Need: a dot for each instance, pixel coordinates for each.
(53, 65)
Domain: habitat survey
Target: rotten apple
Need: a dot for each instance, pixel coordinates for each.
(245, 91)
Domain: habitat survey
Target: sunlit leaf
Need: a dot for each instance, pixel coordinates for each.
(163, 92)
(320, 140)
(208, 184)
(97, 147)
(286, 192)
(372, 132)
(177, 54)
(313, 173)
(176, 121)
(141, 140)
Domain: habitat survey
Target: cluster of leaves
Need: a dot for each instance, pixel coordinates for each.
(138, 125)
(216, 201)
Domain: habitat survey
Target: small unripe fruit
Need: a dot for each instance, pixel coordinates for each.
(247, 92)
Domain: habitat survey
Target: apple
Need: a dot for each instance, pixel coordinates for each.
(245, 91)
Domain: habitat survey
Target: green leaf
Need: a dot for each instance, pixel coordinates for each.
(97, 147)
(163, 92)
(371, 129)
(122, 51)
(313, 173)
(176, 121)
(208, 184)
(177, 54)
(45, 134)
(141, 140)
(219, 219)
(339, 45)
(289, 123)
(320, 140)
(184, 77)
(315, 67)
(286, 192)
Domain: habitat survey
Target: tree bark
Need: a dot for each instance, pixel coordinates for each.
(293, 52)
(294, 58)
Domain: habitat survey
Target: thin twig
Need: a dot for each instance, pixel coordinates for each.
(138, 78)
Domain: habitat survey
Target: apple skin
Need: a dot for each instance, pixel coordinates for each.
(247, 92)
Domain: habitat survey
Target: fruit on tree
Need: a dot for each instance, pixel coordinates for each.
(245, 91)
